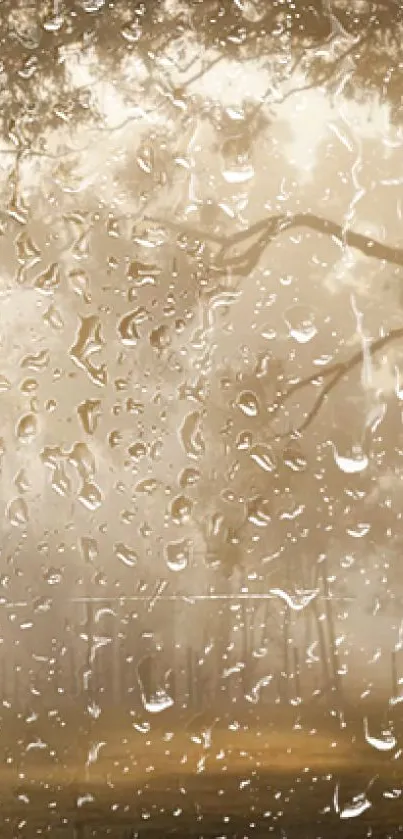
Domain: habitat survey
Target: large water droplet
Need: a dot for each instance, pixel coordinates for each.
(90, 495)
(89, 413)
(27, 428)
(181, 509)
(17, 512)
(247, 403)
(191, 435)
(49, 280)
(177, 554)
(259, 511)
(263, 457)
(351, 465)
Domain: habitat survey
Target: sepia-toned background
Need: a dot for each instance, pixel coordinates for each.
(201, 381)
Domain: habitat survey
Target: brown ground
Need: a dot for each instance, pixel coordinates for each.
(194, 776)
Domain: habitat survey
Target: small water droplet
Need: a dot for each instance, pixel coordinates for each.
(301, 323)
(125, 554)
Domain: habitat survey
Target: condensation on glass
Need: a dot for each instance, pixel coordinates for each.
(201, 452)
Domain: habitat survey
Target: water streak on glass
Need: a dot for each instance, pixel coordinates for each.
(201, 456)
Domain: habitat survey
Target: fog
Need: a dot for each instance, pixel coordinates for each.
(142, 453)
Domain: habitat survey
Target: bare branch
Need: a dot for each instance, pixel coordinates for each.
(268, 229)
(334, 373)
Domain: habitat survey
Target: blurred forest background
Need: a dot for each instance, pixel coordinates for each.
(201, 351)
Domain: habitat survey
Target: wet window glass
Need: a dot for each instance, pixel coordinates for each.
(201, 451)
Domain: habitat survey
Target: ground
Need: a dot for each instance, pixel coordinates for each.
(280, 773)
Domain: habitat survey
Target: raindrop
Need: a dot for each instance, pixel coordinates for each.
(244, 441)
(254, 694)
(27, 428)
(181, 509)
(90, 495)
(189, 477)
(301, 323)
(351, 465)
(177, 554)
(87, 343)
(137, 450)
(5, 384)
(125, 554)
(80, 284)
(259, 511)
(49, 280)
(384, 744)
(191, 435)
(247, 403)
(360, 530)
(239, 175)
(263, 456)
(36, 362)
(141, 273)
(158, 702)
(17, 512)
(127, 329)
(160, 337)
(53, 576)
(294, 458)
(89, 548)
(298, 601)
(89, 413)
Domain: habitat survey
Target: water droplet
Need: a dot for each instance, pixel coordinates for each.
(244, 441)
(17, 512)
(90, 495)
(27, 428)
(49, 280)
(89, 413)
(301, 323)
(181, 509)
(5, 384)
(160, 338)
(247, 403)
(80, 283)
(125, 554)
(158, 702)
(191, 435)
(127, 330)
(383, 744)
(358, 462)
(294, 458)
(264, 457)
(189, 477)
(53, 576)
(177, 554)
(141, 273)
(89, 548)
(137, 450)
(88, 342)
(359, 530)
(60, 481)
(36, 362)
(259, 511)
(238, 175)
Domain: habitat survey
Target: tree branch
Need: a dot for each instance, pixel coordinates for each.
(266, 230)
(335, 372)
